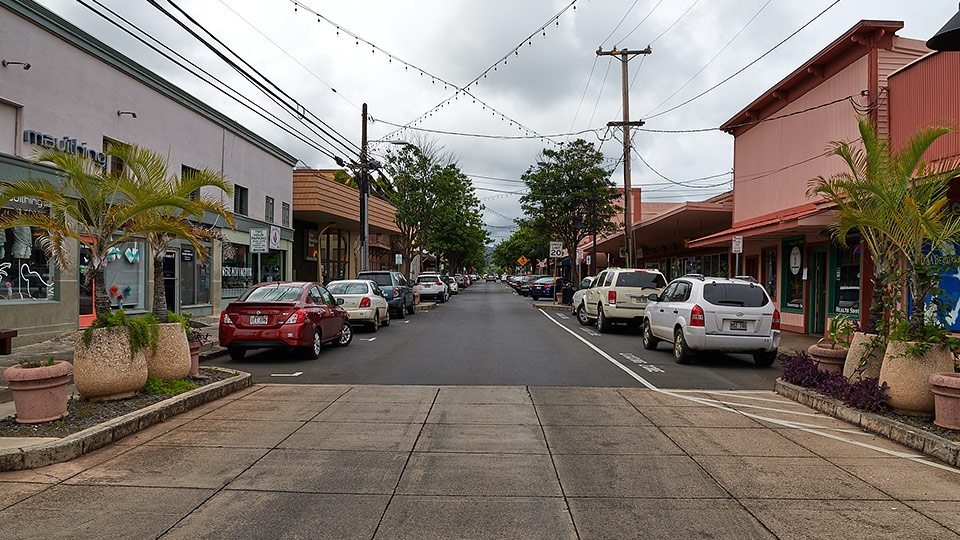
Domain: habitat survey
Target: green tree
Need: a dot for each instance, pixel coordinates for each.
(569, 187)
(147, 173)
(88, 206)
(457, 233)
(525, 241)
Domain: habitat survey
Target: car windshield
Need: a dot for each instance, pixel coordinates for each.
(544, 281)
(382, 279)
(347, 288)
(645, 280)
(272, 293)
(734, 294)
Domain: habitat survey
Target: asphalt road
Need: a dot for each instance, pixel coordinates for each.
(488, 335)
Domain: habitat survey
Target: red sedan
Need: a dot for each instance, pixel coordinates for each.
(289, 315)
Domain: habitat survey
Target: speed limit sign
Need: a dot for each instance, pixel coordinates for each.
(556, 250)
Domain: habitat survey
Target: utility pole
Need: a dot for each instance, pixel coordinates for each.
(364, 185)
(624, 57)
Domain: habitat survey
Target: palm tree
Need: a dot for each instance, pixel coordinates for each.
(898, 203)
(89, 206)
(147, 172)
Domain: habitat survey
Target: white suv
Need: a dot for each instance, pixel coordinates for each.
(700, 313)
(620, 295)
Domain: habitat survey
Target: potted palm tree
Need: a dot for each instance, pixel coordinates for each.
(93, 208)
(148, 173)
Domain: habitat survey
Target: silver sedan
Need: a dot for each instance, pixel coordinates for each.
(364, 301)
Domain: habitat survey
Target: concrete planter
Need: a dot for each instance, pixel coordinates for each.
(828, 360)
(867, 349)
(39, 393)
(195, 347)
(908, 376)
(106, 369)
(946, 397)
(172, 359)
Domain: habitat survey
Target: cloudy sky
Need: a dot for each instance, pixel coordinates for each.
(493, 82)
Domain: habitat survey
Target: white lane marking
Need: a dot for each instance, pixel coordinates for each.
(641, 362)
(562, 316)
(294, 374)
(368, 339)
(590, 332)
(823, 432)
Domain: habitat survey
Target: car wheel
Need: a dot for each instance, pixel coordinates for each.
(346, 335)
(765, 359)
(375, 325)
(603, 323)
(681, 354)
(386, 319)
(313, 351)
(413, 309)
(582, 316)
(402, 312)
(649, 342)
(236, 353)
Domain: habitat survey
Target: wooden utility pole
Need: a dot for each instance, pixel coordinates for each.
(624, 56)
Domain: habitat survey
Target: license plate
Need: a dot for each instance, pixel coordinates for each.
(738, 325)
(258, 319)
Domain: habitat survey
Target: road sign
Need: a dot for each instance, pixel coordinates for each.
(522, 261)
(556, 250)
(259, 241)
(737, 244)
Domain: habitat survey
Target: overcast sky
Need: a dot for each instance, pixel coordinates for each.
(404, 58)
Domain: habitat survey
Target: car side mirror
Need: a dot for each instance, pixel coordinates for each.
(653, 297)
(339, 301)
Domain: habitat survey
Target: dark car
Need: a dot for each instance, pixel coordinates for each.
(547, 287)
(292, 315)
(526, 281)
(399, 291)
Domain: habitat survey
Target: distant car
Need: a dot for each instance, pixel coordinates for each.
(461, 280)
(490, 277)
(364, 301)
(292, 315)
(698, 313)
(547, 287)
(523, 289)
(451, 284)
(399, 290)
(578, 308)
(432, 287)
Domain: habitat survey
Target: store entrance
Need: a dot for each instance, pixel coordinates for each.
(170, 279)
(818, 290)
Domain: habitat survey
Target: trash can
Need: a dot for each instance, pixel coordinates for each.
(567, 294)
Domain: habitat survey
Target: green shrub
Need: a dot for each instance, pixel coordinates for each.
(156, 386)
(144, 329)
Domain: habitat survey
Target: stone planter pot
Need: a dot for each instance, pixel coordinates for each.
(946, 397)
(908, 376)
(106, 369)
(172, 359)
(195, 347)
(827, 359)
(39, 393)
(868, 349)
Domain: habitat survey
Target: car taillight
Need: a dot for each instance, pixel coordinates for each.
(696, 316)
(776, 320)
(296, 317)
(438, 282)
(611, 297)
(364, 302)
(396, 292)
(225, 319)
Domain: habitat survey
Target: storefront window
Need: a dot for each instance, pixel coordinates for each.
(716, 265)
(125, 275)
(236, 270)
(846, 288)
(194, 278)
(271, 266)
(25, 272)
(335, 252)
(770, 272)
(793, 265)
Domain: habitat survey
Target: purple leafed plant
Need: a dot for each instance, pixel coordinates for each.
(864, 394)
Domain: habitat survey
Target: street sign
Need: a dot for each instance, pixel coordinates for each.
(259, 241)
(556, 250)
(737, 244)
(522, 261)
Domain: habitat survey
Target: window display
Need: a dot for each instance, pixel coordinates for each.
(237, 269)
(793, 273)
(846, 286)
(125, 275)
(25, 272)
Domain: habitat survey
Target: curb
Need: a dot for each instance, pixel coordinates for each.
(930, 444)
(92, 438)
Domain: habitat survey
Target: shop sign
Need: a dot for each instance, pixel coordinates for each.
(27, 204)
(64, 144)
(259, 241)
(236, 271)
(186, 254)
(313, 243)
(274, 237)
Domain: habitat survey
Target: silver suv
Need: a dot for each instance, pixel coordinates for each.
(620, 295)
(700, 313)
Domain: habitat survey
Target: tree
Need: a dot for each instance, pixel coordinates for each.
(457, 233)
(410, 191)
(148, 172)
(89, 206)
(561, 186)
(525, 241)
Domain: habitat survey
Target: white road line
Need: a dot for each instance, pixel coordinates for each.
(368, 339)
(294, 374)
(807, 428)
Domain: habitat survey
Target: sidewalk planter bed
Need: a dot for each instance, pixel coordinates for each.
(908, 375)
(866, 353)
(40, 392)
(107, 369)
(828, 359)
(171, 359)
(946, 392)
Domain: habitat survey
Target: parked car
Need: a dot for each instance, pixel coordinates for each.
(461, 280)
(524, 287)
(547, 287)
(364, 300)
(489, 277)
(432, 287)
(698, 313)
(578, 308)
(293, 315)
(398, 289)
(620, 295)
(451, 284)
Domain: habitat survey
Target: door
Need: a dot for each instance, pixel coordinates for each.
(817, 285)
(753, 268)
(170, 279)
(87, 313)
